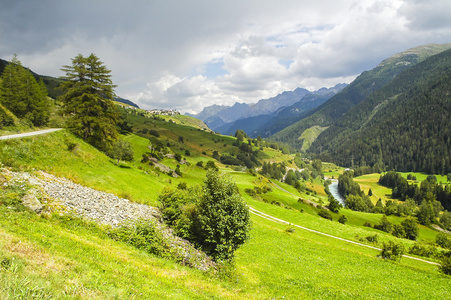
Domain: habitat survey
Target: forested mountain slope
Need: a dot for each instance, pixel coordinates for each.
(363, 86)
(404, 126)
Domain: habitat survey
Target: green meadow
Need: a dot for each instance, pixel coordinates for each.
(68, 258)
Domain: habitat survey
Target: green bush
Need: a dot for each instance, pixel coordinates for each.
(398, 231)
(443, 240)
(372, 238)
(392, 250)
(424, 250)
(445, 264)
(143, 235)
(250, 192)
(410, 227)
(384, 225)
(343, 219)
(324, 214)
(334, 204)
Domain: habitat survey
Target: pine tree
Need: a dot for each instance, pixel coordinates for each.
(88, 96)
(23, 95)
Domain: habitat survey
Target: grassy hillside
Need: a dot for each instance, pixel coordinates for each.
(64, 257)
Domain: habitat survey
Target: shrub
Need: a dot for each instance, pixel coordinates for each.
(392, 251)
(398, 231)
(443, 240)
(250, 192)
(200, 164)
(324, 214)
(343, 219)
(144, 235)
(171, 204)
(334, 204)
(182, 185)
(384, 225)
(422, 249)
(153, 132)
(211, 165)
(177, 170)
(145, 158)
(372, 238)
(367, 224)
(445, 264)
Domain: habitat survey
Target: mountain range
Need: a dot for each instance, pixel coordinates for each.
(261, 117)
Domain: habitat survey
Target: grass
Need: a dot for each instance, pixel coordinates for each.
(68, 258)
(310, 135)
(370, 181)
(72, 259)
(83, 164)
(306, 265)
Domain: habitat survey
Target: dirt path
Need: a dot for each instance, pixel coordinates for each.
(21, 135)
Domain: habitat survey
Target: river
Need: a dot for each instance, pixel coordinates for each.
(333, 188)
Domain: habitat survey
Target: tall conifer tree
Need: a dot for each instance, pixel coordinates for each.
(88, 96)
(23, 95)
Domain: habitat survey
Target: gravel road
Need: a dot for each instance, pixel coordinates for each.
(21, 135)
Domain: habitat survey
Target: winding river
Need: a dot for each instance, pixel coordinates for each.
(333, 188)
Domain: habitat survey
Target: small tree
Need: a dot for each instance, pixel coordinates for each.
(121, 150)
(223, 216)
(426, 213)
(211, 165)
(398, 231)
(384, 224)
(410, 228)
(334, 204)
(240, 135)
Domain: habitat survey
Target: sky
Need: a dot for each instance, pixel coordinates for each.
(188, 54)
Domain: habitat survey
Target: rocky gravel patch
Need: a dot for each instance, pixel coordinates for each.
(66, 197)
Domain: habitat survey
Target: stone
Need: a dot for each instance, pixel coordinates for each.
(31, 201)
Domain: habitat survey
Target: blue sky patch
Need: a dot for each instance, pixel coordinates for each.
(214, 69)
(286, 62)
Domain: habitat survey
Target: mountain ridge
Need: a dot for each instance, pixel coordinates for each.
(358, 90)
(404, 125)
(221, 118)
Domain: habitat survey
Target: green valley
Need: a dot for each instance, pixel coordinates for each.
(300, 242)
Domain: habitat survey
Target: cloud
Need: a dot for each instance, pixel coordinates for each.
(190, 54)
(426, 16)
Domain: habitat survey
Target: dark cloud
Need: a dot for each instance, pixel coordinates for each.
(189, 54)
